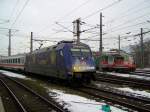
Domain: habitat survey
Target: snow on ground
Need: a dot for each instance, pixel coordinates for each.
(77, 103)
(128, 90)
(136, 92)
(127, 75)
(143, 69)
(11, 74)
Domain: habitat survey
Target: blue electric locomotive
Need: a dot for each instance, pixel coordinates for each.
(66, 60)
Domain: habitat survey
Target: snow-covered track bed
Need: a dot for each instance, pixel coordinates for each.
(136, 103)
(135, 82)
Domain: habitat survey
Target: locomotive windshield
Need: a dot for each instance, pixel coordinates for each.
(75, 52)
(80, 52)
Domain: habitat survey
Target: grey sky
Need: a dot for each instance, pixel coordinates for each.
(39, 16)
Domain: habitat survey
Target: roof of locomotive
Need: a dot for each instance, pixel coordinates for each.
(59, 45)
(113, 53)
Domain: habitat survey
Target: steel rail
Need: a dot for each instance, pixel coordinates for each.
(105, 77)
(140, 74)
(141, 99)
(14, 96)
(124, 81)
(38, 95)
(114, 98)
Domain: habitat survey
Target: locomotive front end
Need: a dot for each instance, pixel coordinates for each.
(83, 66)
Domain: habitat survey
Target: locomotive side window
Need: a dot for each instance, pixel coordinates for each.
(110, 59)
(61, 53)
(104, 58)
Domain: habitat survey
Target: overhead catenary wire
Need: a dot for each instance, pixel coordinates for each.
(106, 7)
(64, 27)
(129, 26)
(68, 14)
(129, 21)
(13, 10)
(133, 35)
(128, 11)
(26, 2)
(75, 9)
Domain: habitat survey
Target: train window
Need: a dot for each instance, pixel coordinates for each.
(18, 60)
(75, 52)
(22, 60)
(13, 60)
(110, 59)
(105, 58)
(85, 52)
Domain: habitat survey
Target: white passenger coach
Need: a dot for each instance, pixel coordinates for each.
(15, 61)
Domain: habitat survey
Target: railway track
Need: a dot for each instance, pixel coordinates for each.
(145, 73)
(27, 100)
(141, 70)
(103, 77)
(138, 104)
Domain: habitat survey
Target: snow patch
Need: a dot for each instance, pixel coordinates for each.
(77, 103)
(11, 74)
(136, 92)
(128, 75)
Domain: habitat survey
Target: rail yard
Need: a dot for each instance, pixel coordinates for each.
(104, 93)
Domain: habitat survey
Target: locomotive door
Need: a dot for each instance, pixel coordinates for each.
(60, 64)
(110, 59)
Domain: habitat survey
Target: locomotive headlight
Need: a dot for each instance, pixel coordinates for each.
(76, 68)
(91, 67)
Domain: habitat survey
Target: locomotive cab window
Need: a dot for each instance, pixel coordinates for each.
(75, 52)
(118, 58)
(85, 52)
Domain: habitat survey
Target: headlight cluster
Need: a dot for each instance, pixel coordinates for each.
(83, 68)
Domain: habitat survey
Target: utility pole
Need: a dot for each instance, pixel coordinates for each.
(77, 30)
(100, 42)
(31, 43)
(9, 46)
(142, 49)
(119, 43)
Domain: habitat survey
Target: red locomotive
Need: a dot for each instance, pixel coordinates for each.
(115, 61)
